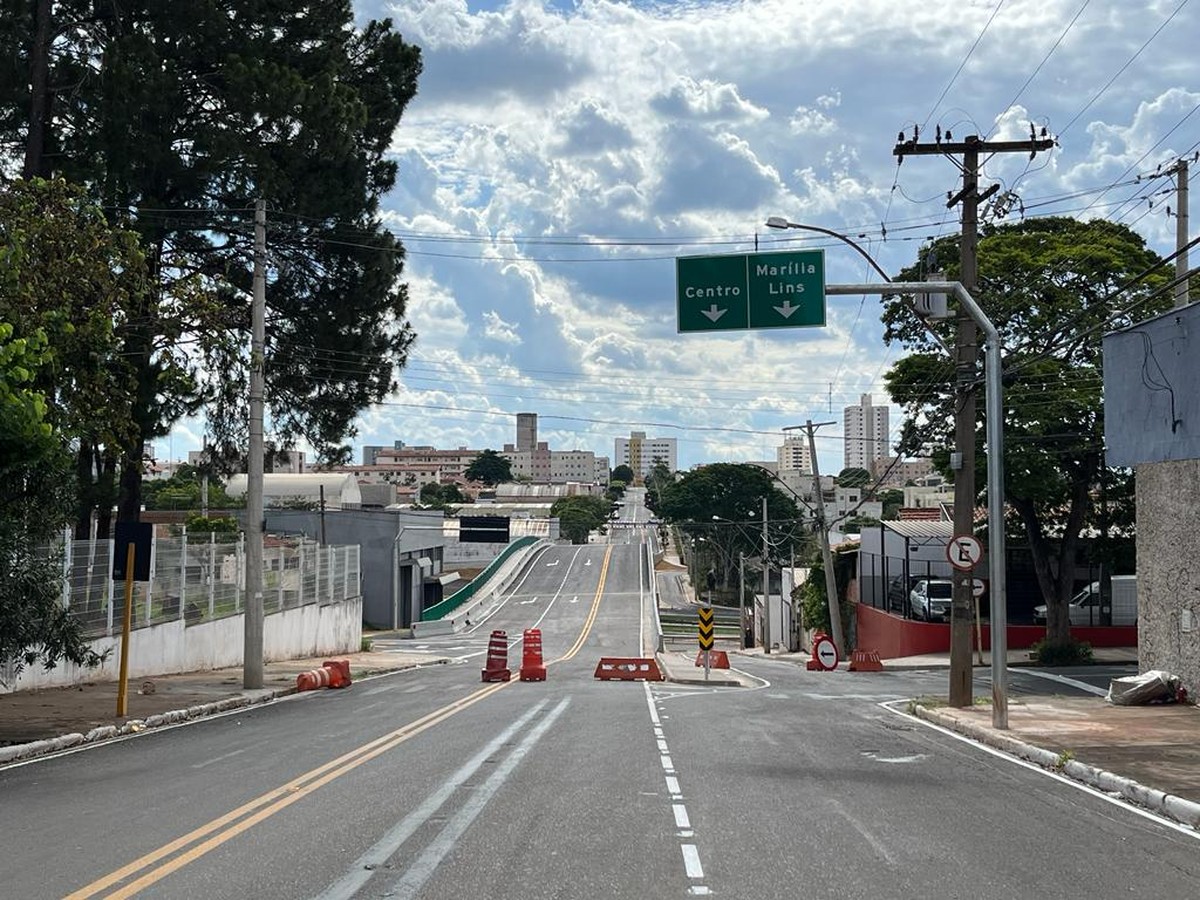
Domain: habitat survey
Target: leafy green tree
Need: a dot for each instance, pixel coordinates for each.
(616, 490)
(35, 501)
(215, 524)
(624, 474)
(182, 491)
(442, 496)
(179, 116)
(657, 480)
(1052, 287)
(489, 468)
(76, 279)
(579, 515)
(852, 477)
(892, 501)
(722, 502)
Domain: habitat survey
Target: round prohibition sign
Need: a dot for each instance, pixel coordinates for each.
(964, 552)
(826, 653)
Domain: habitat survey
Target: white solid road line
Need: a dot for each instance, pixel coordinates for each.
(419, 872)
(1069, 782)
(361, 869)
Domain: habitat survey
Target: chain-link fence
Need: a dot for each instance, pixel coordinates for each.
(201, 577)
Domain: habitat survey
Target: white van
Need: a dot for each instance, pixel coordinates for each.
(1085, 606)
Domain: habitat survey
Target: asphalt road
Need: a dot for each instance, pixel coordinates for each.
(431, 784)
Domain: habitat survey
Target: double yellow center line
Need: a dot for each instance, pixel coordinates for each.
(189, 847)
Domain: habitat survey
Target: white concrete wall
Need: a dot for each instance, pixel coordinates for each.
(172, 647)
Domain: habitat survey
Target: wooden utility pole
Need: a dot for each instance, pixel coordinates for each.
(966, 360)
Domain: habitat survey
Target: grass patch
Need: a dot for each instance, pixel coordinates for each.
(365, 645)
(1063, 758)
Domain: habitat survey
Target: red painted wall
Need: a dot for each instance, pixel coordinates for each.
(894, 637)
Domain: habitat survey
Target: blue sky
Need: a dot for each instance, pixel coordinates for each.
(560, 156)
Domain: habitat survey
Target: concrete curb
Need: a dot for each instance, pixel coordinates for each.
(1178, 809)
(18, 752)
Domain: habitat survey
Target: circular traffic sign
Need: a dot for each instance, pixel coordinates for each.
(964, 552)
(978, 587)
(826, 653)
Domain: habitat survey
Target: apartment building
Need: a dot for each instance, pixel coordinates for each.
(865, 428)
(794, 455)
(640, 453)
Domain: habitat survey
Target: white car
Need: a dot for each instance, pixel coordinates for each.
(1084, 607)
(930, 599)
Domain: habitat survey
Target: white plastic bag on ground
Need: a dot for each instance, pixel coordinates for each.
(1136, 690)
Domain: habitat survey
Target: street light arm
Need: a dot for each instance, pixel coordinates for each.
(782, 223)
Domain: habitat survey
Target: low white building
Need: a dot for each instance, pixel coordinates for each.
(339, 490)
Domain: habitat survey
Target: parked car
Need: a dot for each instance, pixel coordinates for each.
(897, 594)
(930, 599)
(1085, 606)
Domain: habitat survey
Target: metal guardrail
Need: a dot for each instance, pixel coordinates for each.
(467, 592)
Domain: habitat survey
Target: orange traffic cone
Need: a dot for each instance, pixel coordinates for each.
(497, 658)
(531, 659)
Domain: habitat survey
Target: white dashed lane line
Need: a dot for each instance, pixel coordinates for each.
(692, 866)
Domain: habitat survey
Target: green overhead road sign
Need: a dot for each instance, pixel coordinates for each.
(750, 290)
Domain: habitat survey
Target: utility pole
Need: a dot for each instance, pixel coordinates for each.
(252, 653)
(742, 600)
(766, 584)
(831, 590)
(966, 366)
(1181, 234)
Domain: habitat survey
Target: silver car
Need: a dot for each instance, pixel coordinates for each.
(929, 599)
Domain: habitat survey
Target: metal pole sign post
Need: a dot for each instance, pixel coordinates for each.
(705, 631)
(135, 539)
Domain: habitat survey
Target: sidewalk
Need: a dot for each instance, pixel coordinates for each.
(43, 721)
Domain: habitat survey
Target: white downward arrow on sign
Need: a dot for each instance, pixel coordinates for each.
(787, 309)
(713, 313)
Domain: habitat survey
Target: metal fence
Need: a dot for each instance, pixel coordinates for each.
(201, 577)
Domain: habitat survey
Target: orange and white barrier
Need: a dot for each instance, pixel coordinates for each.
(532, 668)
(865, 661)
(334, 673)
(628, 668)
(497, 658)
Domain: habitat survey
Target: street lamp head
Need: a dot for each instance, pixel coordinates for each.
(777, 222)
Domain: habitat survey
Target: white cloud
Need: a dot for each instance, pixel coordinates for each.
(499, 330)
(559, 156)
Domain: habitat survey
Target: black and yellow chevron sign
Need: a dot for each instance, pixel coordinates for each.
(706, 628)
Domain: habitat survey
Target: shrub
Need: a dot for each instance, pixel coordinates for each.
(1072, 653)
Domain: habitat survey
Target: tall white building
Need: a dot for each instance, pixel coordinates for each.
(640, 453)
(794, 455)
(866, 430)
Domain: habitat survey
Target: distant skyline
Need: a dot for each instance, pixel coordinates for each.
(560, 156)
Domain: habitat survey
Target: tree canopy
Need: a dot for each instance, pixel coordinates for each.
(489, 468)
(1052, 287)
(35, 499)
(177, 117)
(623, 473)
(579, 515)
(722, 503)
(852, 477)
